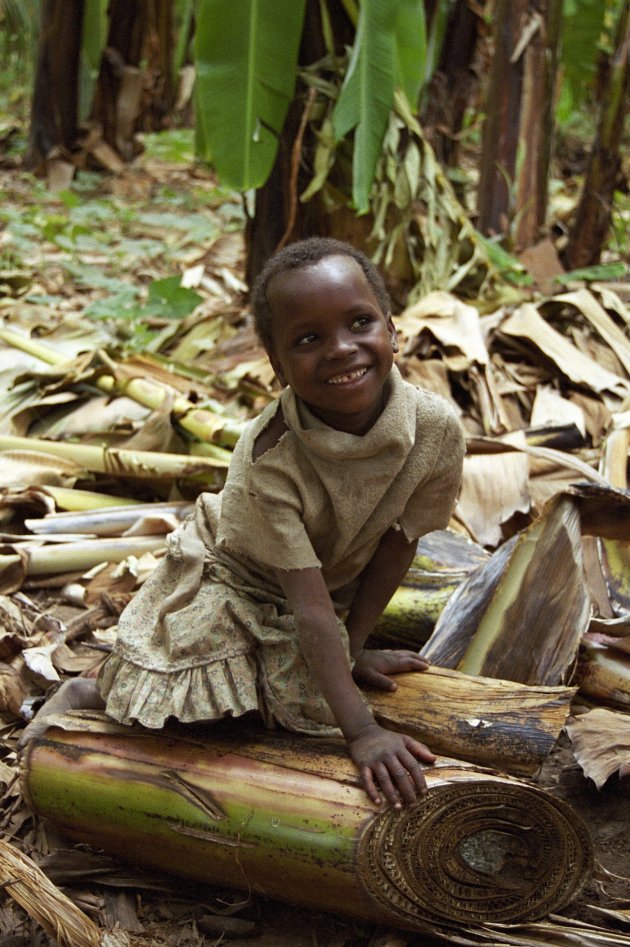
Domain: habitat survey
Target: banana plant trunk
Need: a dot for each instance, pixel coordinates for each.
(53, 120)
(591, 223)
(285, 817)
(516, 146)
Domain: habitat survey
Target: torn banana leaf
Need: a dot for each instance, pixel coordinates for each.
(521, 616)
(495, 486)
(527, 323)
(601, 743)
(249, 808)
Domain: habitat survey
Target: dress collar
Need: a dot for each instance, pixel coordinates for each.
(393, 431)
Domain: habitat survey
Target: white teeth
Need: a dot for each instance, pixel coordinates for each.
(343, 379)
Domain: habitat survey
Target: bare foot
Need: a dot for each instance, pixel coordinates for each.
(79, 693)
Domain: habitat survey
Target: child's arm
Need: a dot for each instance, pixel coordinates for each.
(379, 580)
(383, 757)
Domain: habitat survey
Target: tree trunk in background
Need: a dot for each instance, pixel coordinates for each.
(518, 129)
(454, 83)
(135, 87)
(592, 218)
(55, 92)
(537, 123)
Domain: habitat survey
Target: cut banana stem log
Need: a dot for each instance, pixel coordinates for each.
(28, 559)
(109, 521)
(126, 462)
(285, 816)
(603, 674)
(443, 560)
(509, 726)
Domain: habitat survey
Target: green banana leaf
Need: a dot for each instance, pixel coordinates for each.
(411, 48)
(367, 93)
(246, 60)
(583, 25)
(93, 40)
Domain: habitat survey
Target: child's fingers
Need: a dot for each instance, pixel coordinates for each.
(369, 785)
(419, 750)
(415, 776)
(393, 784)
(408, 661)
(374, 678)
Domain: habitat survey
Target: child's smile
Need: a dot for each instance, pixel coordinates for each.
(331, 341)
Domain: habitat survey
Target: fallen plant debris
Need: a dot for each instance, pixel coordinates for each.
(103, 449)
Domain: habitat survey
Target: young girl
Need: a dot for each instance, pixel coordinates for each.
(270, 590)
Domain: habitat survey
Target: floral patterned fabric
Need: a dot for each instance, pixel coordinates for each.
(227, 651)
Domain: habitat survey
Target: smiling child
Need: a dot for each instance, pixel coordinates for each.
(270, 589)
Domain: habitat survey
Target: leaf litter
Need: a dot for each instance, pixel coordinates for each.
(129, 365)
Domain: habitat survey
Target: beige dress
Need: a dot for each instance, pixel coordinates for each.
(210, 633)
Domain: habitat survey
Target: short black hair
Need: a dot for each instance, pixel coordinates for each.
(298, 256)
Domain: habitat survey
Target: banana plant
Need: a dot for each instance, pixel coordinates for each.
(246, 81)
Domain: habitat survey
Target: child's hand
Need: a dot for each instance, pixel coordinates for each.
(391, 760)
(371, 667)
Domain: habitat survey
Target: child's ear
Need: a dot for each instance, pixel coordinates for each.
(393, 338)
(277, 367)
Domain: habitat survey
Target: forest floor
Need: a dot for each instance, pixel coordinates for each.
(97, 254)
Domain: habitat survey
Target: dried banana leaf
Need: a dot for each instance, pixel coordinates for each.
(495, 486)
(28, 885)
(521, 616)
(286, 816)
(601, 743)
(527, 323)
(511, 727)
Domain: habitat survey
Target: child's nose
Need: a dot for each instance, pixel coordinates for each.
(341, 345)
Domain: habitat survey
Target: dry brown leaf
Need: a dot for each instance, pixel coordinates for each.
(429, 373)
(494, 487)
(31, 467)
(551, 408)
(13, 690)
(543, 264)
(527, 323)
(28, 885)
(601, 743)
(588, 305)
(453, 323)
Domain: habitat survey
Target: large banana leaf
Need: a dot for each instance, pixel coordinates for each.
(246, 60)
(389, 50)
(583, 23)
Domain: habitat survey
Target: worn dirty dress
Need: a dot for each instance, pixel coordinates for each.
(210, 633)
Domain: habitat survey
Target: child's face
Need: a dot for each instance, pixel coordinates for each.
(331, 341)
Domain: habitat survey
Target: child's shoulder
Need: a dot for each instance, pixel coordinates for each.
(430, 405)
